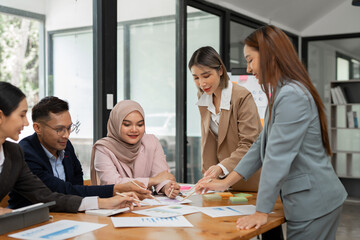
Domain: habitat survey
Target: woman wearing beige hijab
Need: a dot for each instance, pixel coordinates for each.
(128, 154)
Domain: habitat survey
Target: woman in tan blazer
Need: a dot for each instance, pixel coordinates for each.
(229, 118)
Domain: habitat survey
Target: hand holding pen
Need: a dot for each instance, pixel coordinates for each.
(172, 189)
(149, 196)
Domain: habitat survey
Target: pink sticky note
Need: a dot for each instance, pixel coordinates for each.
(243, 78)
(184, 188)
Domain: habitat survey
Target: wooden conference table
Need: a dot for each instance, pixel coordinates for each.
(205, 227)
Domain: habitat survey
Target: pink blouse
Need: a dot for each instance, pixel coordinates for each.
(150, 162)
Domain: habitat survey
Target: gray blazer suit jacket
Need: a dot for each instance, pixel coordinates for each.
(293, 160)
(16, 176)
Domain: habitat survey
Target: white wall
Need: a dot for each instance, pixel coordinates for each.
(140, 9)
(344, 19)
(63, 14)
(35, 6)
(255, 16)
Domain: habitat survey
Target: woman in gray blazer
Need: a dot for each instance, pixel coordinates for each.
(293, 149)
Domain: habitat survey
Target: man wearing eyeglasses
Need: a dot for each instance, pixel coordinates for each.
(51, 156)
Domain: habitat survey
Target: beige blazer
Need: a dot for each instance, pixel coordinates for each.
(239, 127)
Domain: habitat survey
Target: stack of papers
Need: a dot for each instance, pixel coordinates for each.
(227, 211)
(165, 201)
(150, 222)
(63, 229)
(106, 212)
(168, 211)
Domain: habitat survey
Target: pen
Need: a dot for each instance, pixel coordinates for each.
(138, 185)
(146, 189)
(123, 195)
(171, 191)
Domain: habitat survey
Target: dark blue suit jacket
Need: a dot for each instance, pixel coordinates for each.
(39, 164)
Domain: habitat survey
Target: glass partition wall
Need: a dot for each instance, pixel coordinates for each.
(70, 69)
(22, 55)
(146, 65)
(203, 29)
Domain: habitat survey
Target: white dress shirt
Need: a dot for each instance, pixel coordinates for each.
(2, 158)
(58, 170)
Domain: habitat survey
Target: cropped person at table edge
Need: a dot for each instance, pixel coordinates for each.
(51, 156)
(293, 149)
(14, 172)
(128, 154)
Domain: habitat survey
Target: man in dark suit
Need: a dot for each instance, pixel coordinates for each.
(51, 156)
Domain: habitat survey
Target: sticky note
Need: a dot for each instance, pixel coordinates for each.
(235, 200)
(185, 188)
(247, 195)
(225, 195)
(212, 197)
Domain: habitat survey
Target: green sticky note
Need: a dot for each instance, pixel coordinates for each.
(246, 195)
(212, 197)
(235, 200)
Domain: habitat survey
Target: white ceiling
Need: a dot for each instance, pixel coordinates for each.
(294, 15)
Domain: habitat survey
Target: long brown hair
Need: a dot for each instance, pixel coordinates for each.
(280, 62)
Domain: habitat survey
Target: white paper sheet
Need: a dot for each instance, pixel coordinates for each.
(226, 211)
(62, 229)
(168, 211)
(179, 221)
(165, 201)
(106, 212)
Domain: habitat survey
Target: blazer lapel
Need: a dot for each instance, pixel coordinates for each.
(6, 172)
(68, 166)
(264, 134)
(268, 124)
(205, 114)
(223, 124)
(38, 148)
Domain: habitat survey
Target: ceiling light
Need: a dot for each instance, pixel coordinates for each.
(356, 2)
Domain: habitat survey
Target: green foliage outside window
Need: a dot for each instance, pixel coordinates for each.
(19, 54)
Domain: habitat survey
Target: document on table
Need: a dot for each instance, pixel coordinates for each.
(185, 189)
(168, 211)
(226, 211)
(179, 221)
(62, 229)
(106, 212)
(165, 201)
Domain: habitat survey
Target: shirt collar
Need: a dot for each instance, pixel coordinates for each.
(206, 100)
(2, 156)
(50, 156)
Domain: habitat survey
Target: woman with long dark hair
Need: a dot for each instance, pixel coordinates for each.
(293, 149)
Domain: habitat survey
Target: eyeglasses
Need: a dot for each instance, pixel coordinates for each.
(62, 130)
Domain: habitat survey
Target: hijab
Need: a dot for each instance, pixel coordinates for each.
(124, 152)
